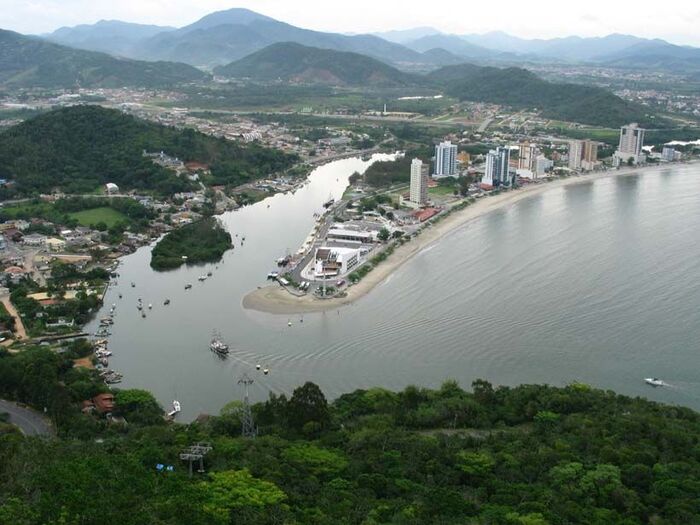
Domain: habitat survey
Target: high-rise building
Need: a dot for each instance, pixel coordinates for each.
(583, 154)
(527, 155)
(419, 183)
(445, 160)
(575, 154)
(497, 171)
(669, 154)
(631, 144)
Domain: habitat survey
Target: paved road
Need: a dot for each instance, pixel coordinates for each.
(30, 422)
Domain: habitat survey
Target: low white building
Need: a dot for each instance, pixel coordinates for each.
(343, 234)
(333, 262)
(111, 188)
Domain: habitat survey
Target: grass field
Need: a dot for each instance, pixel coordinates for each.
(96, 215)
(441, 190)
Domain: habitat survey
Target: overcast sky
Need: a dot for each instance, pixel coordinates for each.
(677, 21)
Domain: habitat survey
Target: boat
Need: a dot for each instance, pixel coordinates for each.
(257, 367)
(209, 274)
(120, 296)
(176, 409)
(133, 285)
(188, 286)
(139, 307)
(266, 371)
(329, 202)
(150, 306)
(284, 261)
(166, 302)
(202, 277)
(654, 381)
(217, 345)
(289, 323)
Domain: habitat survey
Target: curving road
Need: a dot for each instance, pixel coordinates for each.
(30, 422)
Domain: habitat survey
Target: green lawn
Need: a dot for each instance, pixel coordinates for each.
(96, 215)
(441, 190)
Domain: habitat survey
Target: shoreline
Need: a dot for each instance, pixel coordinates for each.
(274, 299)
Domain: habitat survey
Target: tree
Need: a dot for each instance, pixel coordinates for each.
(138, 406)
(308, 405)
(233, 491)
(383, 235)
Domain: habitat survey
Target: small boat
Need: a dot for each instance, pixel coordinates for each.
(150, 306)
(188, 286)
(209, 274)
(266, 371)
(218, 346)
(329, 202)
(133, 285)
(120, 296)
(176, 409)
(202, 278)
(257, 367)
(289, 323)
(654, 381)
(166, 302)
(139, 307)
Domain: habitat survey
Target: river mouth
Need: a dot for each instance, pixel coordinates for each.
(595, 282)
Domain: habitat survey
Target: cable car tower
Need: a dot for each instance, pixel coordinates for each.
(248, 428)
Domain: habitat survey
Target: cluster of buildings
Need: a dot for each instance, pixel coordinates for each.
(583, 155)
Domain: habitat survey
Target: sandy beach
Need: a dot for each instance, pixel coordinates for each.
(274, 299)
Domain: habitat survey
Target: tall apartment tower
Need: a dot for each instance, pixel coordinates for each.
(497, 171)
(527, 156)
(419, 183)
(575, 154)
(631, 144)
(445, 159)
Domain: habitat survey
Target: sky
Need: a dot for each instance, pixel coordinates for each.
(676, 23)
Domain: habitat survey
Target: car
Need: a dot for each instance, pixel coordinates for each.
(340, 283)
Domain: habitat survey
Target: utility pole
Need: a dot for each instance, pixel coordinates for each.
(248, 427)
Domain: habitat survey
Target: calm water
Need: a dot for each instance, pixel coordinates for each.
(597, 282)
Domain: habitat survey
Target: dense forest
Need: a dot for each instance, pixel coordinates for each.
(32, 62)
(529, 455)
(521, 88)
(203, 241)
(290, 61)
(79, 148)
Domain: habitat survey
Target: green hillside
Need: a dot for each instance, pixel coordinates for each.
(31, 62)
(529, 455)
(79, 148)
(523, 89)
(289, 61)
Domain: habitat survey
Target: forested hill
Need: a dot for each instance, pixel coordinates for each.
(289, 61)
(31, 62)
(523, 89)
(79, 148)
(531, 455)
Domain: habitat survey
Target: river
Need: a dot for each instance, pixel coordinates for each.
(596, 282)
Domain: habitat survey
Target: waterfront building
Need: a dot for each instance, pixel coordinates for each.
(630, 146)
(497, 172)
(335, 261)
(575, 154)
(445, 160)
(669, 154)
(527, 154)
(419, 183)
(346, 235)
(583, 155)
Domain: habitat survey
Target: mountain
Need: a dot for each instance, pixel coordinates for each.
(655, 54)
(442, 57)
(407, 35)
(289, 61)
(79, 148)
(108, 36)
(32, 62)
(451, 43)
(523, 89)
(226, 36)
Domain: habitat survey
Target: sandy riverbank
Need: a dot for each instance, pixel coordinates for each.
(276, 300)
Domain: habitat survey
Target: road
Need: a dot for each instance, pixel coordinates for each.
(30, 422)
(20, 331)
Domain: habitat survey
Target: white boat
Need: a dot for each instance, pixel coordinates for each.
(218, 346)
(202, 277)
(150, 306)
(654, 381)
(176, 409)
